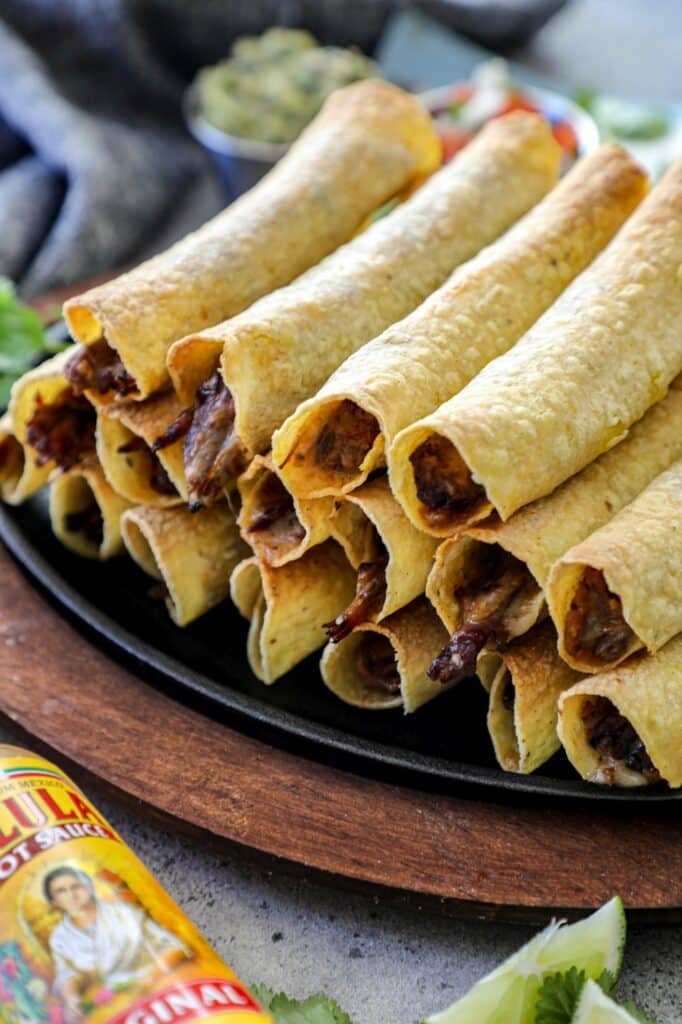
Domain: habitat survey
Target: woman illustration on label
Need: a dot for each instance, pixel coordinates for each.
(101, 944)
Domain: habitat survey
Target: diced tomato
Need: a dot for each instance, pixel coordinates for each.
(460, 93)
(452, 140)
(517, 101)
(564, 134)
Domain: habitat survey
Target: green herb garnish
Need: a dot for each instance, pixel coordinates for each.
(23, 341)
(559, 995)
(313, 1010)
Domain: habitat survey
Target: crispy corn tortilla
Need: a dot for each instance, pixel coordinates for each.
(457, 564)
(276, 546)
(288, 606)
(415, 634)
(74, 491)
(525, 736)
(572, 387)
(129, 472)
(543, 531)
(192, 553)
(410, 552)
(647, 691)
(19, 477)
(282, 349)
(369, 141)
(481, 311)
(44, 383)
(639, 553)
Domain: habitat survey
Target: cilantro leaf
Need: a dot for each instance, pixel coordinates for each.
(607, 982)
(558, 997)
(23, 339)
(313, 1010)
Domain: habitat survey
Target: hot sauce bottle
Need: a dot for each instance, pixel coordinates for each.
(87, 934)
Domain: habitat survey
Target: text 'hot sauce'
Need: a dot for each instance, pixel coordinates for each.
(87, 935)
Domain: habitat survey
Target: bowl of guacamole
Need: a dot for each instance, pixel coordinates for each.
(249, 108)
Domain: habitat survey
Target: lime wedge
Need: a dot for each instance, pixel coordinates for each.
(508, 995)
(596, 1008)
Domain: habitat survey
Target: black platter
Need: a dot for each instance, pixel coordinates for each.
(444, 744)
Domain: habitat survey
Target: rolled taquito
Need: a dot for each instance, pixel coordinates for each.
(19, 477)
(279, 526)
(391, 556)
(85, 512)
(132, 462)
(488, 582)
(335, 439)
(621, 588)
(524, 680)
(192, 554)
(287, 606)
(623, 727)
(370, 141)
(383, 665)
(55, 427)
(569, 389)
(282, 349)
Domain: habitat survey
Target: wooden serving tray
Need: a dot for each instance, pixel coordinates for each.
(168, 762)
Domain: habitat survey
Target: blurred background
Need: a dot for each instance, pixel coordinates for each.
(125, 123)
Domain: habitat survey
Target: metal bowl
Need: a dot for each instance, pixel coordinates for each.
(240, 162)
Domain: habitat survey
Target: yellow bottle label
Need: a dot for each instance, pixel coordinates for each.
(87, 934)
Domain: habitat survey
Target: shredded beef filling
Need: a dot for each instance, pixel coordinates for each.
(484, 603)
(594, 622)
(345, 439)
(157, 477)
(160, 482)
(370, 593)
(87, 521)
(214, 455)
(63, 430)
(376, 666)
(443, 481)
(11, 455)
(614, 738)
(98, 367)
(175, 431)
(275, 520)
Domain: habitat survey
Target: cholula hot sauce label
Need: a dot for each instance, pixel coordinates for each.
(87, 934)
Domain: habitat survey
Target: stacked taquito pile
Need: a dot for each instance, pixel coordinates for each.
(443, 443)
(102, 423)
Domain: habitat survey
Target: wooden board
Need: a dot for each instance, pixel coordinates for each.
(175, 766)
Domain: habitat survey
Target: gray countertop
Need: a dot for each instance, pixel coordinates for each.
(388, 965)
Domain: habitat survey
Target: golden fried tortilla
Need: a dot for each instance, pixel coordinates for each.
(370, 141)
(572, 387)
(484, 307)
(288, 606)
(192, 553)
(383, 664)
(125, 435)
(85, 512)
(375, 534)
(278, 526)
(524, 681)
(620, 589)
(623, 727)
